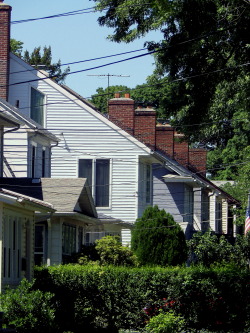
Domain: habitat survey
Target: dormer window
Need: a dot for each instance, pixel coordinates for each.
(37, 106)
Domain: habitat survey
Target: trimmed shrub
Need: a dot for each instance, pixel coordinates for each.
(165, 322)
(99, 298)
(27, 309)
(158, 240)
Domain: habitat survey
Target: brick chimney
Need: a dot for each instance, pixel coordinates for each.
(145, 125)
(165, 139)
(122, 112)
(198, 160)
(5, 13)
(181, 149)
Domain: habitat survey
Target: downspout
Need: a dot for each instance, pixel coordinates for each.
(2, 148)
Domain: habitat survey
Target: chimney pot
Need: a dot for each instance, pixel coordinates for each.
(127, 95)
(117, 95)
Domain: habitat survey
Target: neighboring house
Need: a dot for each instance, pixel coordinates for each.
(60, 234)
(130, 162)
(17, 220)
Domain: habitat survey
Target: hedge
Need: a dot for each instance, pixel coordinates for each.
(96, 299)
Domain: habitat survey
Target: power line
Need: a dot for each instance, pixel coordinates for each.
(82, 61)
(75, 12)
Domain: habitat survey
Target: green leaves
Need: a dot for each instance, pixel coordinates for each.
(157, 239)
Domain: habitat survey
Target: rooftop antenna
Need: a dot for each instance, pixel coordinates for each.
(108, 75)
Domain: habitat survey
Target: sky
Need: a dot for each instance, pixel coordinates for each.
(77, 38)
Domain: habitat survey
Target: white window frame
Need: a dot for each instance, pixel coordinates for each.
(44, 104)
(188, 209)
(32, 161)
(93, 187)
(43, 241)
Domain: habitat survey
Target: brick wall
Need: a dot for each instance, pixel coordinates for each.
(5, 11)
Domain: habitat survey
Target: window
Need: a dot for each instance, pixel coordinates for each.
(204, 210)
(39, 244)
(188, 204)
(33, 161)
(145, 183)
(43, 162)
(97, 173)
(37, 106)
(218, 217)
(92, 236)
(12, 248)
(148, 184)
(68, 239)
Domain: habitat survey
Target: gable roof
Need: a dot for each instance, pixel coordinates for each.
(69, 195)
(66, 195)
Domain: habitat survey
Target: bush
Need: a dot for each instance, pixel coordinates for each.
(28, 310)
(208, 249)
(111, 252)
(165, 322)
(95, 298)
(158, 240)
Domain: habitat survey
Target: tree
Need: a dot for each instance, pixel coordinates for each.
(100, 100)
(157, 239)
(16, 47)
(205, 44)
(36, 58)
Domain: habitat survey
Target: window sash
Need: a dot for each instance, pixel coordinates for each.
(37, 106)
(102, 183)
(97, 173)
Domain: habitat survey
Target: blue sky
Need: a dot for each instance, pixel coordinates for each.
(79, 37)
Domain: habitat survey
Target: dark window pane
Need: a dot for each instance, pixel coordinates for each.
(37, 105)
(85, 170)
(102, 183)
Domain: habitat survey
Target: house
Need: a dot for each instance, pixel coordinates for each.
(17, 220)
(129, 160)
(61, 233)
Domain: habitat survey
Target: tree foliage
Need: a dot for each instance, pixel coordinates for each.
(100, 99)
(36, 58)
(40, 59)
(203, 60)
(157, 239)
(16, 47)
(208, 249)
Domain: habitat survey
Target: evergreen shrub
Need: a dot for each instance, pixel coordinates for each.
(158, 240)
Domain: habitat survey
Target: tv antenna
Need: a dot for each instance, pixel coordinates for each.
(108, 76)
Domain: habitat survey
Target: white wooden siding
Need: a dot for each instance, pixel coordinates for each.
(16, 152)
